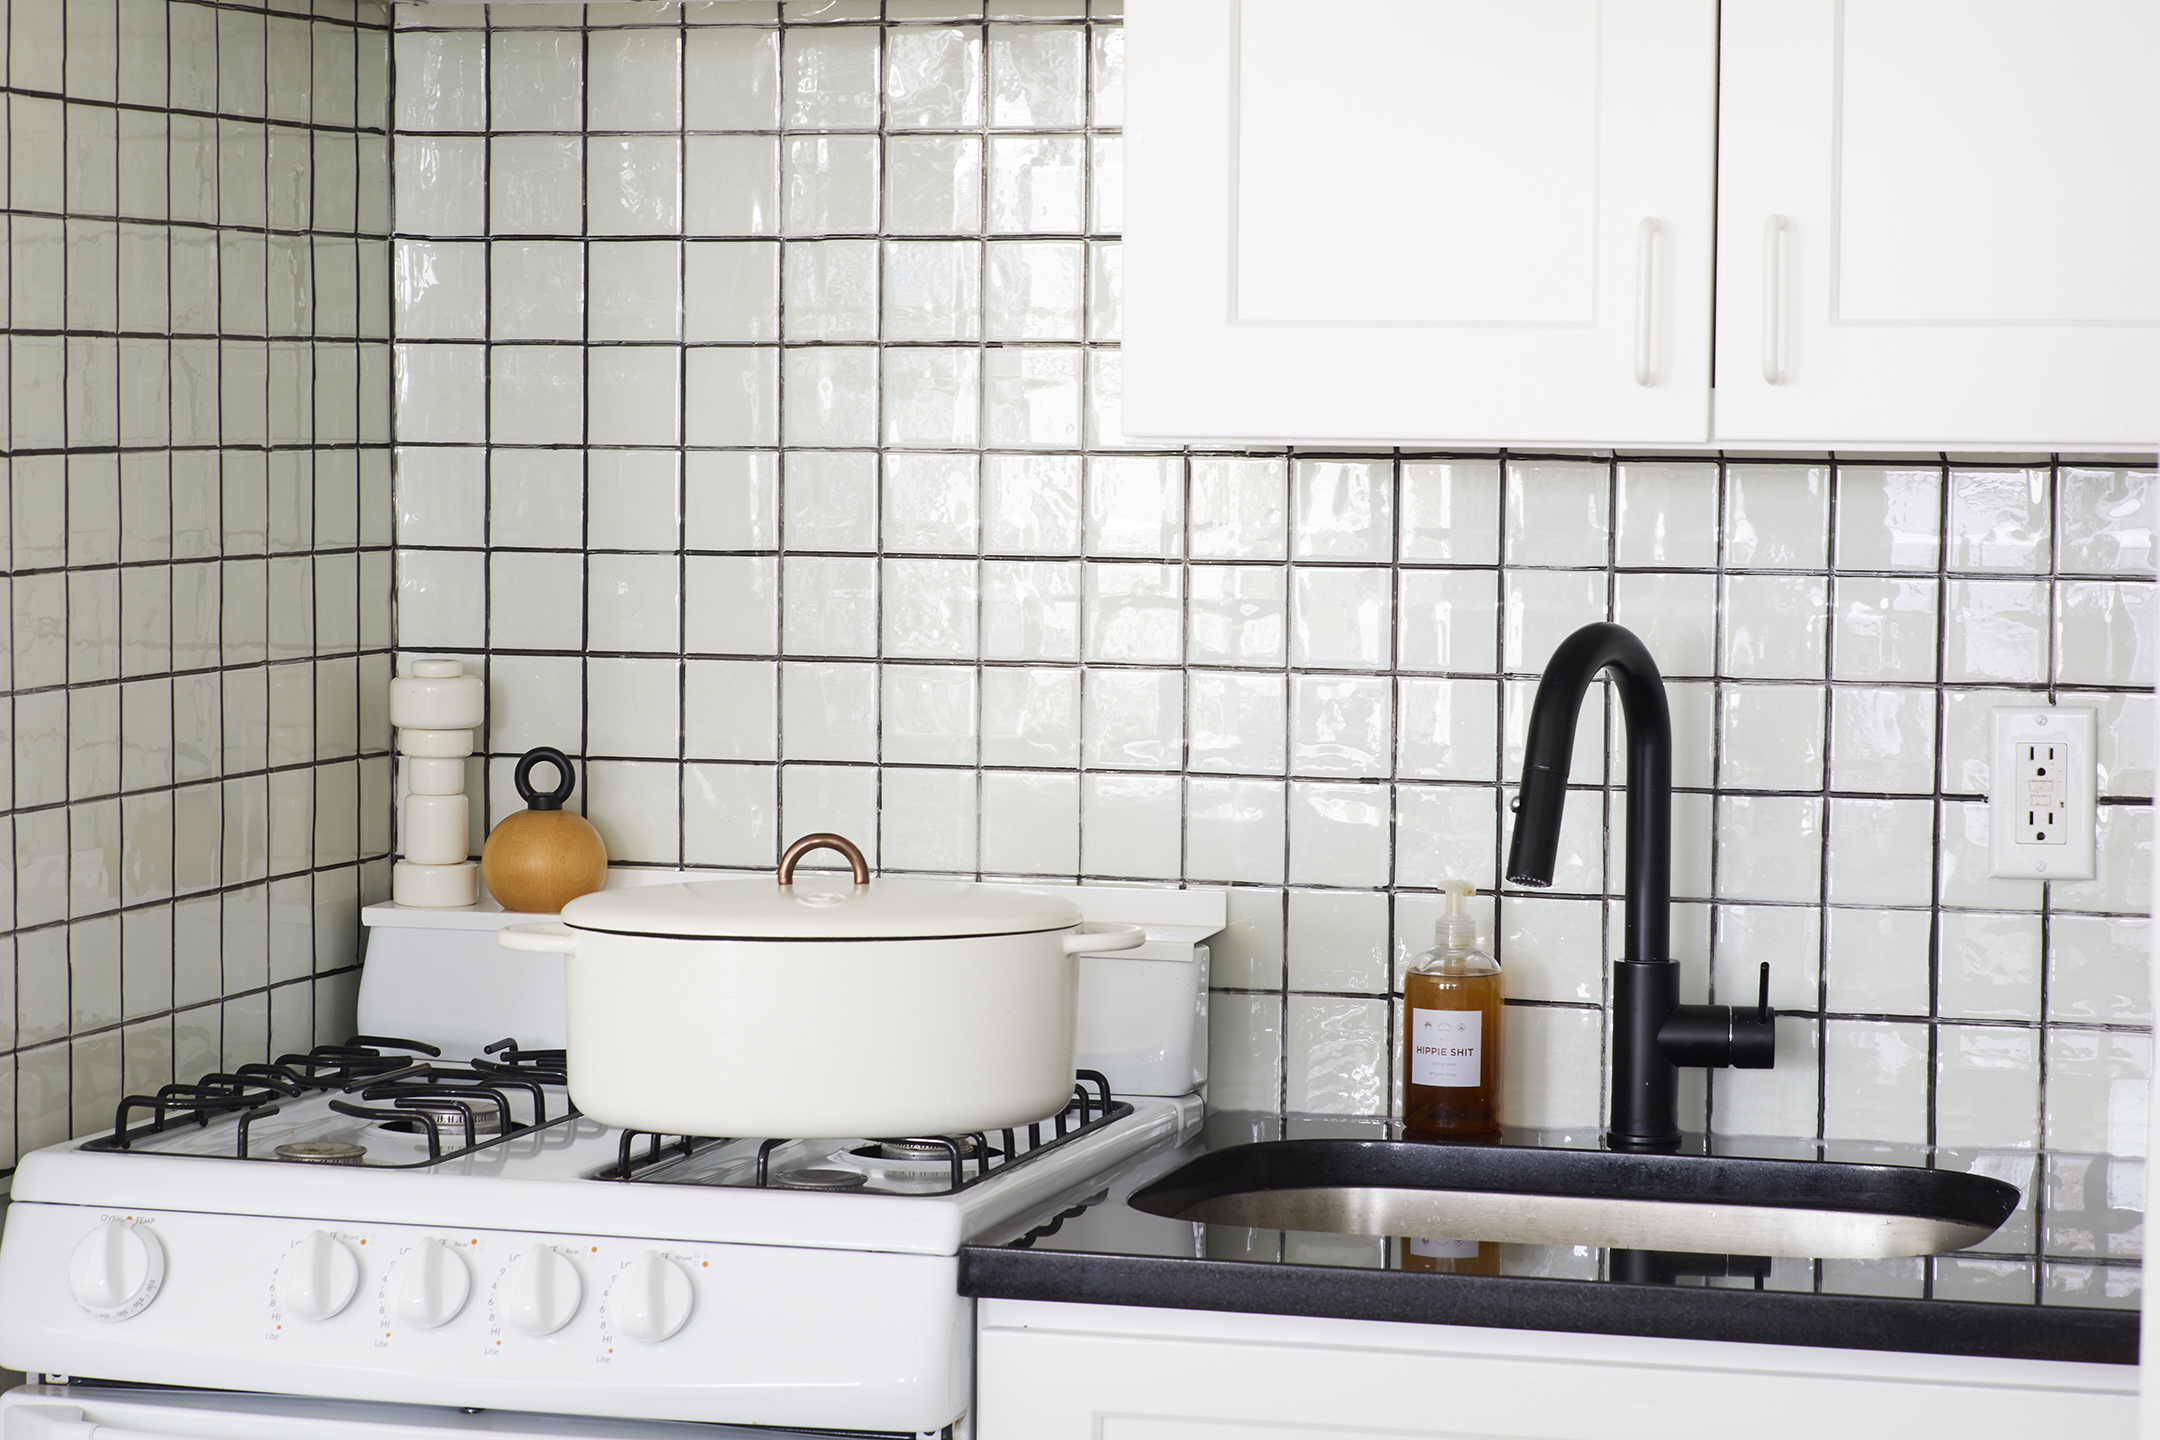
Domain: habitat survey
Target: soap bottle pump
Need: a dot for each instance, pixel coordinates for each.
(1453, 1032)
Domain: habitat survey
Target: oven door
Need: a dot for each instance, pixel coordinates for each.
(93, 1412)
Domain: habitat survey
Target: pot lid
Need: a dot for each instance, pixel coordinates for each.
(753, 907)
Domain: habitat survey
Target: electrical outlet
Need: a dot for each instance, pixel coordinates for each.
(2042, 771)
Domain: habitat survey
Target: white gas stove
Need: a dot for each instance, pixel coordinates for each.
(377, 1226)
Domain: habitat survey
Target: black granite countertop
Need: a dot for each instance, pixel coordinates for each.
(2060, 1280)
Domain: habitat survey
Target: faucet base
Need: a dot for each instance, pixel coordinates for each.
(1642, 1144)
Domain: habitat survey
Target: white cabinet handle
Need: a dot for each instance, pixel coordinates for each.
(1776, 249)
(1649, 241)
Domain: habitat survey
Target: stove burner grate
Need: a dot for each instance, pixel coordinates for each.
(425, 1097)
(1092, 1107)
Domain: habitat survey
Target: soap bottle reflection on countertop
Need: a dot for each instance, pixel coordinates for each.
(1454, 1036)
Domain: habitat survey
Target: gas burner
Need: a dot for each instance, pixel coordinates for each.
(930, 1150)
(450, 1117)
(820, 1180)
(321, 1152)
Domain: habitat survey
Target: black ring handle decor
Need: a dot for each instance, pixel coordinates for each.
(544, 799)
(808, 843)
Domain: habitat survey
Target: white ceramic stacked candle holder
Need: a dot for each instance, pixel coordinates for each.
(435, 708)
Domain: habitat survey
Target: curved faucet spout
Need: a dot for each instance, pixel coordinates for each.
(1548, 748)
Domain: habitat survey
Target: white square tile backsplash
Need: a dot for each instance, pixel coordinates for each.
(757, 403)
(197, 538)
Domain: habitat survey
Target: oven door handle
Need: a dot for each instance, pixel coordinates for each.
(66, 1422)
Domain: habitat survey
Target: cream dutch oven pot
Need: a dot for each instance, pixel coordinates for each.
(736, 1006)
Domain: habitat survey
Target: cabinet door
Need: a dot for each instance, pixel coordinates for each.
(1936, 223)
(1419, 220)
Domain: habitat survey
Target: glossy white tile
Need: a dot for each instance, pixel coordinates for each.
(1339, 834)
(2096, 1083)
(1447, 729)
(1135, 506)
(1676, 616)
(1771, 737)
(1873, 845)
(2106, 520)
(1879, 962)
(1667, 517)
(1885, 630)
(1234, 832)
(1989, 966)
(1882, 740)
(1336, 1056)
(1559, 513)
(1875, 1081)
(1996, 631)
(1769, 847)
(2097, 969)
(1030, 823)
(1450, 512)
(1774, 626)
(1777, 517)
(1341, 726)
(933, 78)
(1888, 517)
(1341, 617)
(1341, 510)
(1238, 722)
(1133, 719)
(1131, 826)
(828, 712)
(1998, 520)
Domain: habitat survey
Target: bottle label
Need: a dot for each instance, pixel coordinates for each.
(1444, 1047)
(1445, 1249)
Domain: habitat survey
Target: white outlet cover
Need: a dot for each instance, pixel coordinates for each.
(2041, 756)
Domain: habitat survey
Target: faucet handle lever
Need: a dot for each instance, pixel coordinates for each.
(1762, 999)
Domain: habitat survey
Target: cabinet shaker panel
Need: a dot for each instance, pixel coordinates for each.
(1936, 221)
(1419, 220)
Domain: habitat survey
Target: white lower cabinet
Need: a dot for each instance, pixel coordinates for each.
(1098, 1372)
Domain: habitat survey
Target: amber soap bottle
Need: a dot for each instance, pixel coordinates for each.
(1454, 1033)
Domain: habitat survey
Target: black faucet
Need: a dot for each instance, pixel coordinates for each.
(1653, 1033)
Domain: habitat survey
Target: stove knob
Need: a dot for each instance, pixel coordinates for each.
(432, 1285)
(545, 1291)
(656, 1298)
(318, 1278)
(117, 1270)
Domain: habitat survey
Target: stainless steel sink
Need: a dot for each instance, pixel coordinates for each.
(1713, 1205)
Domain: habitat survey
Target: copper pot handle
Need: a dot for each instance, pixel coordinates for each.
(808, 843)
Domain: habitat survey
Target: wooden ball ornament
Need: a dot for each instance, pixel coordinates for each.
(543, 857)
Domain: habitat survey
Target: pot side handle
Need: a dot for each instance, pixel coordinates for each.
(1097, 937)
(541, 937)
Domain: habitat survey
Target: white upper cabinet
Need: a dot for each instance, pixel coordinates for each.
(1458, 221)
(1419, 219)
(1937, 223)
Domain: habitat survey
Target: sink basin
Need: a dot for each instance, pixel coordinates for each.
(1712, 1205)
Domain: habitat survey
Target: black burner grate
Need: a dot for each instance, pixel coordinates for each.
(423, 1095)
(1091, 1108)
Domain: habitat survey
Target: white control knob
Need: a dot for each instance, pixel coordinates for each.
(431, 1284)
(117, 1270)
(318, 1277)
(544, 1291)
(654, 1298)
